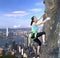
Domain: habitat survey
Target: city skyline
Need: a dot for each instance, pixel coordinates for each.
(18, 13)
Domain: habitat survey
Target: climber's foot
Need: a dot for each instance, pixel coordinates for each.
(38, 56)
(45, 43)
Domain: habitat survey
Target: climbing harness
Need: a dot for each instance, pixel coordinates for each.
(33, 35)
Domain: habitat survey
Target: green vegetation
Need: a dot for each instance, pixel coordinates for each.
(8, 56)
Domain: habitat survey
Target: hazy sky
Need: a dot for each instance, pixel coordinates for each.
(18, 13)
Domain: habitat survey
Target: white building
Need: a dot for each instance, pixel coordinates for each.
(7, 32)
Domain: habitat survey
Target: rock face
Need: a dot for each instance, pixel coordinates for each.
(52, 28)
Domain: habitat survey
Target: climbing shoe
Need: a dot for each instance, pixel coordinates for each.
(45, 43)
(38, 56)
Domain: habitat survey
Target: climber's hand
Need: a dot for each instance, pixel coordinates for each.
(48, 18)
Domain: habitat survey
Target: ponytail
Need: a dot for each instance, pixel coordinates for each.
(32, 20)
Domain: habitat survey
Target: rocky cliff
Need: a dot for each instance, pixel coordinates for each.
(52, 28)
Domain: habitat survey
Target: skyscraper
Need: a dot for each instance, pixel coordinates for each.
(6, 32)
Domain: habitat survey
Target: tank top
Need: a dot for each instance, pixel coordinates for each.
(34, 29)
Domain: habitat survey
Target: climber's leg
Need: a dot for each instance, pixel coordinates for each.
(43, 34)
(39, 45)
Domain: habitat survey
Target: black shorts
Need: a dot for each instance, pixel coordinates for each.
(38, 35)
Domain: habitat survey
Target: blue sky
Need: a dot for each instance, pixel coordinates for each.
(18, 13)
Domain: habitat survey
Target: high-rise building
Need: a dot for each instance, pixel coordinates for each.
(7, 32)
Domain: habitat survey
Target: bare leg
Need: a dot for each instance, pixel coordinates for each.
(38, 50)
(44, 38)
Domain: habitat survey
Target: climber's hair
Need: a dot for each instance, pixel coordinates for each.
(32, 20)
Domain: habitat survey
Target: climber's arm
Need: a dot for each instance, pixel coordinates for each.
(40, 23)
(41, 17)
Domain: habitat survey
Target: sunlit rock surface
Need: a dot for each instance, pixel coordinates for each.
(52, 29)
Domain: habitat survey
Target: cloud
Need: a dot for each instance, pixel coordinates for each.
(16, 26)
(29, 26)
(36, 10)
(22, 13)
(39, 3)
(17, 14)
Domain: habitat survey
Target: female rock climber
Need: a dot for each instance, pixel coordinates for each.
(34, 31)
